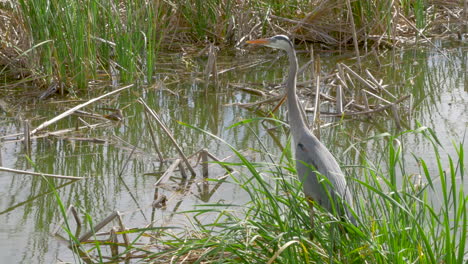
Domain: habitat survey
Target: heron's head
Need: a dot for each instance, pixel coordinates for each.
(277, 42)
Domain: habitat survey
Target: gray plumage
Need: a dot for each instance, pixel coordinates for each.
(311, 154)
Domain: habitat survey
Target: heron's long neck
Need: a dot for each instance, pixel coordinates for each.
(296, 123)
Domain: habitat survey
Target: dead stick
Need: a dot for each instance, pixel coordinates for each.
(41, 174)
(181, 153)
(72, 110)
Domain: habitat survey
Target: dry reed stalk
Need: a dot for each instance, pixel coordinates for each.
(358, 77)
(211, 67)
(218, 160)
(98, 227)
(353, 28)
(248, 90)
(27, 138)
(41, 174)
(182, 171)
(153, 138)
(376, 96)
(381, 87)
(465, 12)
(123, 228)
(366, 101)
(277, 106)
(70, 209)
(370, 111)
(54, 133)
(114, 248)
(317, 100)
(339, 99)
(169, 134)
(396, 116)
(204, 158)
(167, 173)
(72, 110)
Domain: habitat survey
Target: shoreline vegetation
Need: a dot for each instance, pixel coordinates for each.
(62, 46)
(65, 47)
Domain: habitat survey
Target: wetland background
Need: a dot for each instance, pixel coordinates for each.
(187, 61)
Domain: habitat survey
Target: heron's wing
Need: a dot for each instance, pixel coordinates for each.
(312, 155)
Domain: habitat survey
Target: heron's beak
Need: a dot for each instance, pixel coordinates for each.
(258, 41)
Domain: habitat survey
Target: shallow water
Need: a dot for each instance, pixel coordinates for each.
(121, 177)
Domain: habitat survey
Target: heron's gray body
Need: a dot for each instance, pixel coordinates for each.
(311, 155)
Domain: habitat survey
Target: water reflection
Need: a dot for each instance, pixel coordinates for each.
(120, 173)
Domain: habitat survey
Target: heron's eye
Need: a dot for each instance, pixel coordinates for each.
(301, 146)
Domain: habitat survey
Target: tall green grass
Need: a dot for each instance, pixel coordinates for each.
(400, 221)
(87, 36)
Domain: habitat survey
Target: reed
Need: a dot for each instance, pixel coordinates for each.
(87, 37)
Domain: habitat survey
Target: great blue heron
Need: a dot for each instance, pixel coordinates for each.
(311, 155)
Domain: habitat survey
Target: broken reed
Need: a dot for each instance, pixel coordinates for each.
(400, 221)
(74, 41)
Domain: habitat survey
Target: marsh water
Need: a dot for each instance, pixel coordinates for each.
(121, 165)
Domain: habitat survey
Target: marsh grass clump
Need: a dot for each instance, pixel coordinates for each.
(399, 221)
(404, 216)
